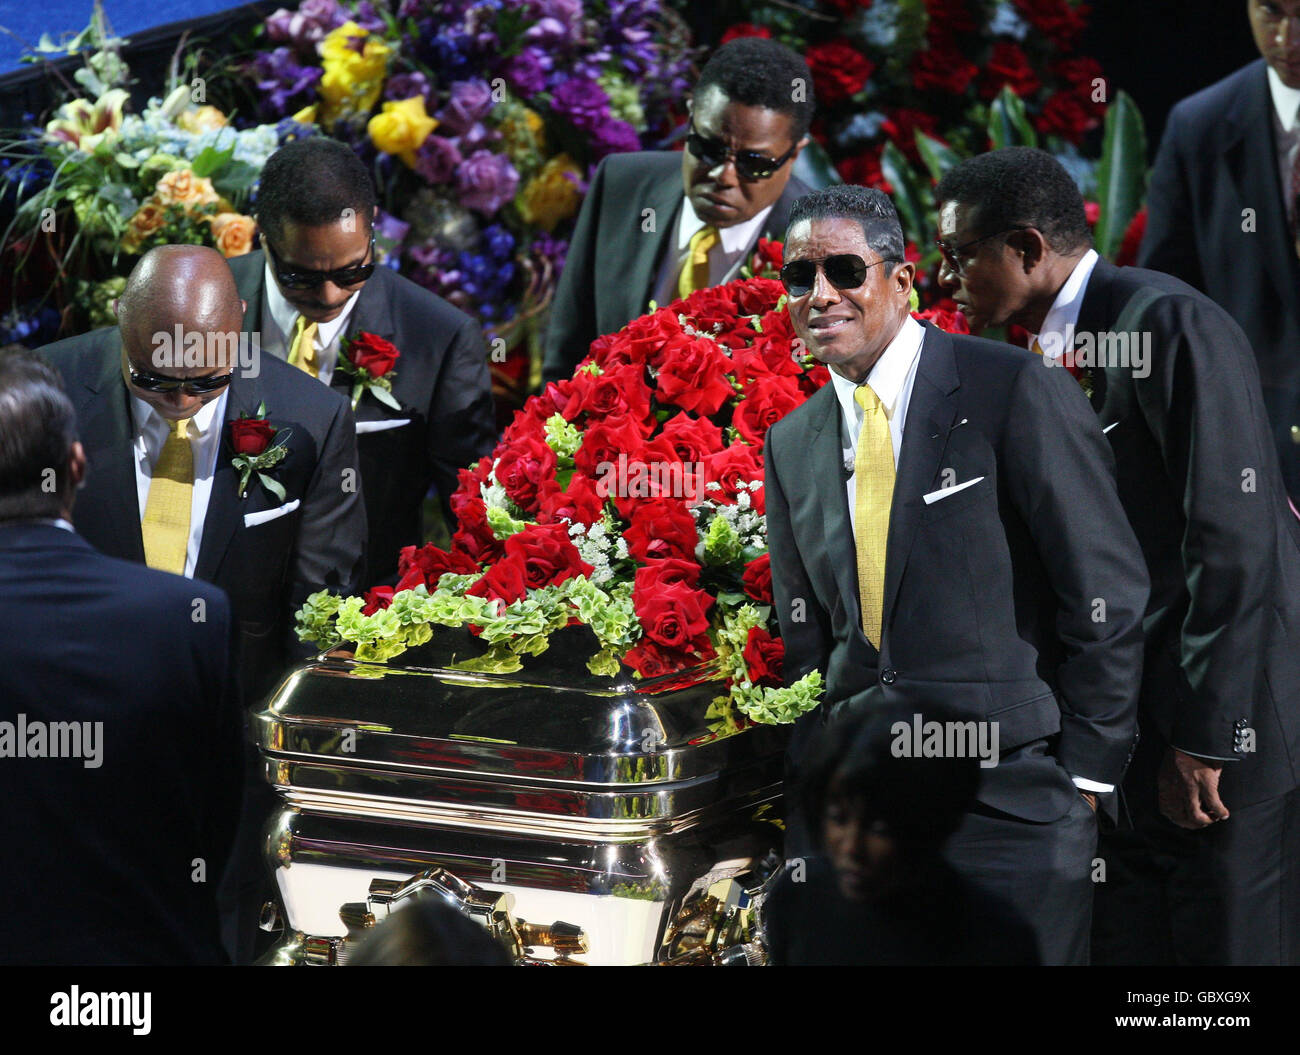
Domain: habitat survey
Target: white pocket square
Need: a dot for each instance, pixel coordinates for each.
(381, 425)
(253, 519)
(948, 492)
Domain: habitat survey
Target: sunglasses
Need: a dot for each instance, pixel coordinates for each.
(844, 271)
(344, 276)
(197, 386)
(952, 253)
(750, 164)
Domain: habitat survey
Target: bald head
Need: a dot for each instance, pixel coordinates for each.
(186, 284)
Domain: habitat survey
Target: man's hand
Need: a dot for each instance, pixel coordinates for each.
(1090, 799)
(1188, 790)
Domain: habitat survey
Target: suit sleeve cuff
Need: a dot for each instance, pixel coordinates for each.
(1096, 786)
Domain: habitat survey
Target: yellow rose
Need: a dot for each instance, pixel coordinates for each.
(352, 79)
(306, 116)
(552, 195)
(204, 119)
(402, 128)
(145, 221)
(182, 187)
(233, 233)
(524, 133)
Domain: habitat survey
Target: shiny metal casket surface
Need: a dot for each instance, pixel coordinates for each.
(593, 800)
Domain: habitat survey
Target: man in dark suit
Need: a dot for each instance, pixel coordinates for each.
(1208, 871)
(658, 224)
(269, 537)
(993, 571)
(1221, 210)
(120, 750)
(315, 205)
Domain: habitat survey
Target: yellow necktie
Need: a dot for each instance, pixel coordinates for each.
(695, 272)
(1036, 348)
(873, 494)
(302, 353)
(166, 524)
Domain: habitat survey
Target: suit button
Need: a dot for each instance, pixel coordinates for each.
(1295, 433)
(889, 675)
(1241, 723)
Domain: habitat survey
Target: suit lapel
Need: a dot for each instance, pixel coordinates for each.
(643, 272)
(931, 415)
(1096, 316)
(827, 456)
(250, 281)
(226, 509)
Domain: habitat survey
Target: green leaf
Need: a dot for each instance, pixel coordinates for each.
(210, 160)
(938, 157)
(909, 197)
(236, 179)
(815, 167)
(273, 485)
(1008, 123)
(385, 397)
(1121, 176)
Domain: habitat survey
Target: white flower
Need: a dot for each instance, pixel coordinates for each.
(878, 24)
(1006, 22)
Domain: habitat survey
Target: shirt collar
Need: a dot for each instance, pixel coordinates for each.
(889, 374)
(147, 418)
(735, 239)
(1286, 101)
(286, 315)
(1063, 316)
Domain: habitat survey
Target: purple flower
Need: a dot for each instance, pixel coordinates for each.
(437, 159)
(583, 102)
(567, 12)
(613, 137)
(280, 80)
(367, 18)
(527, 71)
(548, 33)
(486, 181)
(308, 25)
(406, 86)
(389, 234)
(477, 137)
(470, 101)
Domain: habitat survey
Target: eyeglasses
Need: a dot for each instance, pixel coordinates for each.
(344, 276)
(950, 252)
(843, 271)
(196, 386)
(750, 164)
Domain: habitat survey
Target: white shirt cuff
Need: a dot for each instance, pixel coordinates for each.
(1084, 784)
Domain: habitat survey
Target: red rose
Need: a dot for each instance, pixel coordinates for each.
(901, 126)
(619, 390)
(941, 67)
(769, 254)
(764, 656)
(505, 581)
(946, 316)
(711, 309)
(251, 436)
(372, 354)
(433, 563)
(1091, 213)
(674, 615)
(376, 598)
(602, 443)
(652, 660)
(1065, 115)
(757, 579)
(766, 401)
(642, 339)
(1055, 19)
(579, 503)
(847, 7)
(527, 470)
(863, 169)
(654, 471)
(411, 580)
(1008, 65)
(755, 296)
(667, 572)
(692, 439)
(1079, 73)
(839, 70)
(738, 464)
(549, 557)
(745, 29)
(478, 543)
(661, 527)
(695, 377)
(1128, 247)
(947, 18)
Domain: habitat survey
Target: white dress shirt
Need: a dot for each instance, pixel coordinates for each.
(1057, 333)
(151, 432)
(1286, 105)
(279, 318)
(725, 259)
(892, 379)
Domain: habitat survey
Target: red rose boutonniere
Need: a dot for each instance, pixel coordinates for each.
(369, 361)
(254, 452)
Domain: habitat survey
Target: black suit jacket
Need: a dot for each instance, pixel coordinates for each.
(441, 380)
(101, 863)
(1217, 220)
(1198, 477)
(613, 261)
(268, 569)
(1017, 600)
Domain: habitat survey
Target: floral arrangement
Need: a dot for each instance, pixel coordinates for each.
(482, 121)
(629, 499)
(97, 186)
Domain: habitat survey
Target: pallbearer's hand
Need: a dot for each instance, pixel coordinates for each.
(1188, 789)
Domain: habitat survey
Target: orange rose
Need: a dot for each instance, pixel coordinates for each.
(182, 187)
(233, 233)
(147, 219)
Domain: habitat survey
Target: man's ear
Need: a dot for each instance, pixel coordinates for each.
(1031, 246)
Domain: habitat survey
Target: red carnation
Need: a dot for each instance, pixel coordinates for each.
(376, 598)
(548, 555)
(695, 377)
(941, 67)
(757, 579)
(251, 436)
(674, 615)
(766, 402)
(661, 527)
(1008, 65)
(839, 70)
(373, 354)
(764, 656)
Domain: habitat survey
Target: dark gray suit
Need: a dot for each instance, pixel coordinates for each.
(613, 260)
(1217, 220)
(1198, 477)
(441, 381)
(1017, 600)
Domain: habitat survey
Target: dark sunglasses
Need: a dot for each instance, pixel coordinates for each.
(196, 386)
(843, 271)
(952, 253)
(750, 164)
(344, 276)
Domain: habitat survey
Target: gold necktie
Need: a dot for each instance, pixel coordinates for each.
(1036, 348)
(873, 494)
(302, 353)
(695, 272)
(166, 524)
